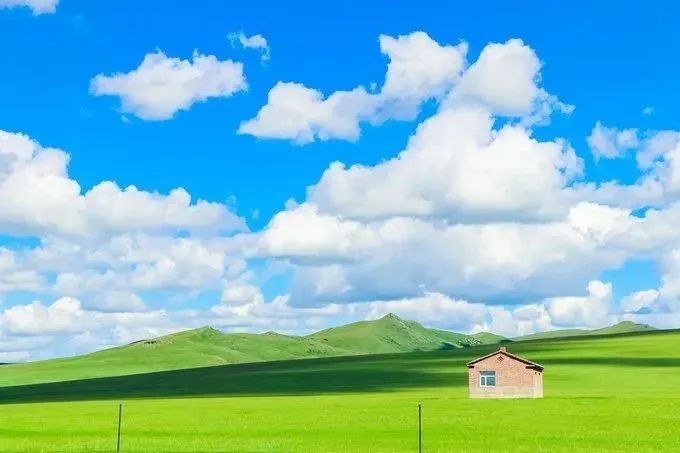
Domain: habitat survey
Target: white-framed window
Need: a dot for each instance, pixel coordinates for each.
(487, 379)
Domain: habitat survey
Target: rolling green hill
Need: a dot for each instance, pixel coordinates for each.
(487, 338)
(208, 347)
(622, 327)
(188, 349)
(387, 334)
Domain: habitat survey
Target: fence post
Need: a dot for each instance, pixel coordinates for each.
(420, 429)
(120, 417)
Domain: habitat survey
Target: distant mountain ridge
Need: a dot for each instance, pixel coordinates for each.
(622, 327)
(206, 346)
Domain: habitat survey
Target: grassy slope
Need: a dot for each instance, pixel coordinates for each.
(189, 349)
(387, 334)
(616, 393)
(622, 327)
(207, 347)
(488, 338)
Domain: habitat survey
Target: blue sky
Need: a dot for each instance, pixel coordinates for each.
(323, 260)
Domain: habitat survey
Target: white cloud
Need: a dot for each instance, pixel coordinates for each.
(469, 210)
(512, 323)
(658, 159)
(655, 147)
(295, 112)
(185, 264)
(419, 69)
(63, 316)
(116, 302)
(37, 6)
(648, 110)
(611, 143)
(665, 299)
(504, 80)
(15, 277)
(340, 260)
(276, 315)
(41, 331)
(162, 86)
(438, 310)
(639, 301)
(240, 293)
(458, 166)
(95, 270)
(433, 309)
(592, 310)
(38, 196)
(257, 42)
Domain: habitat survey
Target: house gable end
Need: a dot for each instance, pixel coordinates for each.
(505, 353)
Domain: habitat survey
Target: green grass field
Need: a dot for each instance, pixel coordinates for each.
(615, 393)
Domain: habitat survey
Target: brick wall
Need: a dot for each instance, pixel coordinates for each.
(513, 379)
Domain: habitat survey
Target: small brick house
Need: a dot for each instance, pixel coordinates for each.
(504, 375)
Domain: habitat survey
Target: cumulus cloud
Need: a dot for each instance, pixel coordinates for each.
(37, 330)
(656, 147)
(295, 112)
(240, 293)
(38, 196)
(419, 69)
(475, 208)
(185, 264)
(15, 276)
(639, 301)
(116, 302)
(433, 309)
(161, 86)
(658, 159)
(63, 316)
(592, 310)
(37, 6)
(136, 263)
(459, 166)
(610, 143)
(504, 80)
(347, 260)
(257, 42)
(258, 315)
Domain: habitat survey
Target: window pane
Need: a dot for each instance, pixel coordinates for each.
(487, 379)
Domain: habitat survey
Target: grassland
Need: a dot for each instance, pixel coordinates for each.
(603, 393)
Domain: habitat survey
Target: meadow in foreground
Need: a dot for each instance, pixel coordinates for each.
(602, 394)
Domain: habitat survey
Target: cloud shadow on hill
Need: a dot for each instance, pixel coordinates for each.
(298, 377)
